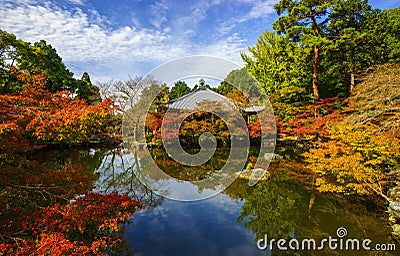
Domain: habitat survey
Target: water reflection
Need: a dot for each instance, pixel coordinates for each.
(283, 209)
(231, 222)
(158, 171)
(207, 227)
(117, 173)
(266, 211)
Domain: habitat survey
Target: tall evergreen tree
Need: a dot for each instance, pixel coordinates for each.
(318, 24)
(179, 89)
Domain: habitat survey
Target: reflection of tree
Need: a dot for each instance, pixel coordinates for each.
(162, 173)
(47, 206)
(275, 210)
(117, 172)
(192, 173)
(268, 212)
(115, 168)
(90, 159)
(238, 190)
(283, 208)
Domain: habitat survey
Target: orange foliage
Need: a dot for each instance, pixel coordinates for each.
(254, 129)
(295, 171)
(37, 217)
(36, 116)
(237, 96)
(88, 225)
(354, 161)
(306, 123)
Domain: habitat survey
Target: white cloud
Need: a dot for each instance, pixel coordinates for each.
(159, 12)
(227, 26)
(88, 41)
(186, 22)
(79, 2)
(135, 19)
(81, 36)
(262, 9)
(228, 48)
(258, 9)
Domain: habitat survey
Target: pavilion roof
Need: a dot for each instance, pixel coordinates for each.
(191, 100)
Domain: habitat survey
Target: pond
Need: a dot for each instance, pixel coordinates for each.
(238, 220)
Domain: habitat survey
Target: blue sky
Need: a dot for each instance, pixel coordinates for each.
(127, 38)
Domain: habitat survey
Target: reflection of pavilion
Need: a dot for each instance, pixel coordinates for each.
(192, 100)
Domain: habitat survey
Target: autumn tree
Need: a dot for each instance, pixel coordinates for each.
(140, 100)
(49, 209)
(40, 213)
(354, 161)
(36, 116)
(360, 152)
(122, 92)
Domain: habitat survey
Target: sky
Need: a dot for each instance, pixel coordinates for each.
(127, 38)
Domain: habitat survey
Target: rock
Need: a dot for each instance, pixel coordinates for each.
(394, 209)
(272, 157)
(394, 202)
(253, 174)
(396, 228)
(394, 194)
(394, 205)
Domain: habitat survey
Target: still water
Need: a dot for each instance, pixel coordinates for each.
(232, 222)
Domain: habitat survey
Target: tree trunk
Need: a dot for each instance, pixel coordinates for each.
(135, 128)
(315, 74)
(352, 83)
(316, 56)
(352, 79)
(315, 81)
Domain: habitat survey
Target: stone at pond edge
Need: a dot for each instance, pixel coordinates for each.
(394, 203)
(272, 157)
(396, 229)
(246, 175)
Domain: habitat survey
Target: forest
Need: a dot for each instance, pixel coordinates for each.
(331, 71)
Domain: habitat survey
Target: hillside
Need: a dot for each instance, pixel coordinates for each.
(375, 102)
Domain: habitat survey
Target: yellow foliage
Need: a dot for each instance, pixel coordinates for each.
(353, 161)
